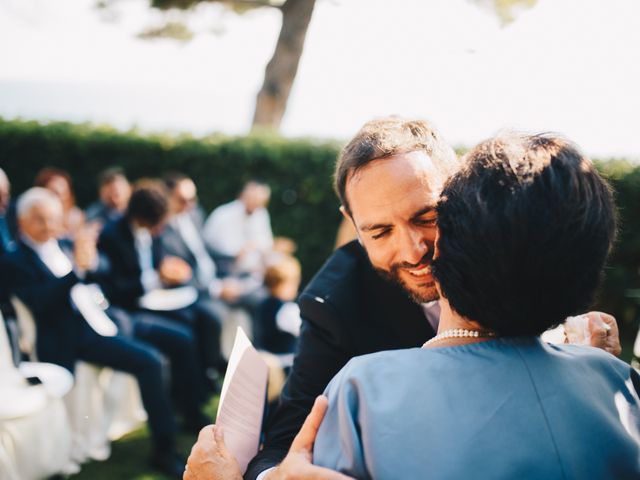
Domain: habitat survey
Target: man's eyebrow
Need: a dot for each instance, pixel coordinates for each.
(423, 211)
(368, 227)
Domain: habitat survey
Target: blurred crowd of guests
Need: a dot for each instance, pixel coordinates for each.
(162, 281)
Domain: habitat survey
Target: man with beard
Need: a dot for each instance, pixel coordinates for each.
(373, 294)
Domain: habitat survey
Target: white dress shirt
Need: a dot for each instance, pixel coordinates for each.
(229, 229)
(144, 248)
(88, 299)
(51, 255)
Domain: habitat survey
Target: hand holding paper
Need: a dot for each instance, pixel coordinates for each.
(210, 459)
(242, 400)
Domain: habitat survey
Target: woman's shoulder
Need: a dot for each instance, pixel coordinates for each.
(587, 355)
(364, 363)
(390, 365)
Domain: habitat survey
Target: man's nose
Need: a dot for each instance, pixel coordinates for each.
(414, 247)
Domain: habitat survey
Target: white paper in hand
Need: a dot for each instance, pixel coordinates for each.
(86, 298)
(242, 400)
(167, 299)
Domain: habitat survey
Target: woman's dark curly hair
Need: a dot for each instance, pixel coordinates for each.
(525, 228)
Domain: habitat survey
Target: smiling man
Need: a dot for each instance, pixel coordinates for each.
(375, 293)
(392, 205)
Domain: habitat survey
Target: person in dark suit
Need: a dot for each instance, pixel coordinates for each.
(8, 230)
(43, 272)
(183, 237)
(114, 191)
(376, 293)
(139, 265)
(7, 215)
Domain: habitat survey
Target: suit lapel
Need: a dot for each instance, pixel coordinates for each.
(175, 245)
(32, 257)
(127, 244)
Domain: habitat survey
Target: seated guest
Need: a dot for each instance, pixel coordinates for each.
(7, 216)
(44, 275)
(524, 230)
(7, 235)
(182, 238)
(241, 230)
(279, 321)
(59, 182)
(8, 228)
(114, 192)
(139, 266)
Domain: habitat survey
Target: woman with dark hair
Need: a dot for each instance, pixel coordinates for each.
(59, 182)
(524, 230)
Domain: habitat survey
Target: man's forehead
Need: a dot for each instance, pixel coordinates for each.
(412, 170)
(46, 209)
(187, 188)
(416, 163)
(394, 189)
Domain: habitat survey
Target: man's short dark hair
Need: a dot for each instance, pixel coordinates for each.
(524, 232)
(110, 175)
(385, 137)
(172, 179)
(148, 203)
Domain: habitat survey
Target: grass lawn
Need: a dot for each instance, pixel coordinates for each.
(130, 455)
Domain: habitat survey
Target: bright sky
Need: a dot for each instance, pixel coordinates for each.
(571, 66)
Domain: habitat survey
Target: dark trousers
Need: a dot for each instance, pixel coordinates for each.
(208, 327)
(177, 342)
(204, 318)
(148, 366)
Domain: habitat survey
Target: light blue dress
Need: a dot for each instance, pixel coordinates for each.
(501, 409)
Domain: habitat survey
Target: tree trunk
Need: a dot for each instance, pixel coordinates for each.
(283, 66)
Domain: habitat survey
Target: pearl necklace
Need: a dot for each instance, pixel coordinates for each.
(458, 333)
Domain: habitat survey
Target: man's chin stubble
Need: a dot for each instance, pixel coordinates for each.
(417, 297)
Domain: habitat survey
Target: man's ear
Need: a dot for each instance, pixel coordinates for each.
(347, 216)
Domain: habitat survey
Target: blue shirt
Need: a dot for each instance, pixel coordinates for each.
(500, 409)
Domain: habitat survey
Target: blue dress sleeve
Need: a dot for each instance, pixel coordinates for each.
(338, 445)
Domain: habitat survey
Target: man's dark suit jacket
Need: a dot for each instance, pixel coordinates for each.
(60, 326)
(10, 224)
(170, 242)
(347, 310)
(123, 286)
(99, 212)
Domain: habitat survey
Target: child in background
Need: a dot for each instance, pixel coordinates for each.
(279, 316)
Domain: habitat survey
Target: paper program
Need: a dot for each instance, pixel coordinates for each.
(242, 400)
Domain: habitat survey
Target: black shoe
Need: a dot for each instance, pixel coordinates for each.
(170, 464)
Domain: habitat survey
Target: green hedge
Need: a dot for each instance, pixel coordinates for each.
(623, 272)
(303, 205)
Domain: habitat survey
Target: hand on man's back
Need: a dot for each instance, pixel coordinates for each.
(297, 464)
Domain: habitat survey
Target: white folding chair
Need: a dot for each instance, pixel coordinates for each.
(103, 404)
(35, 436)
